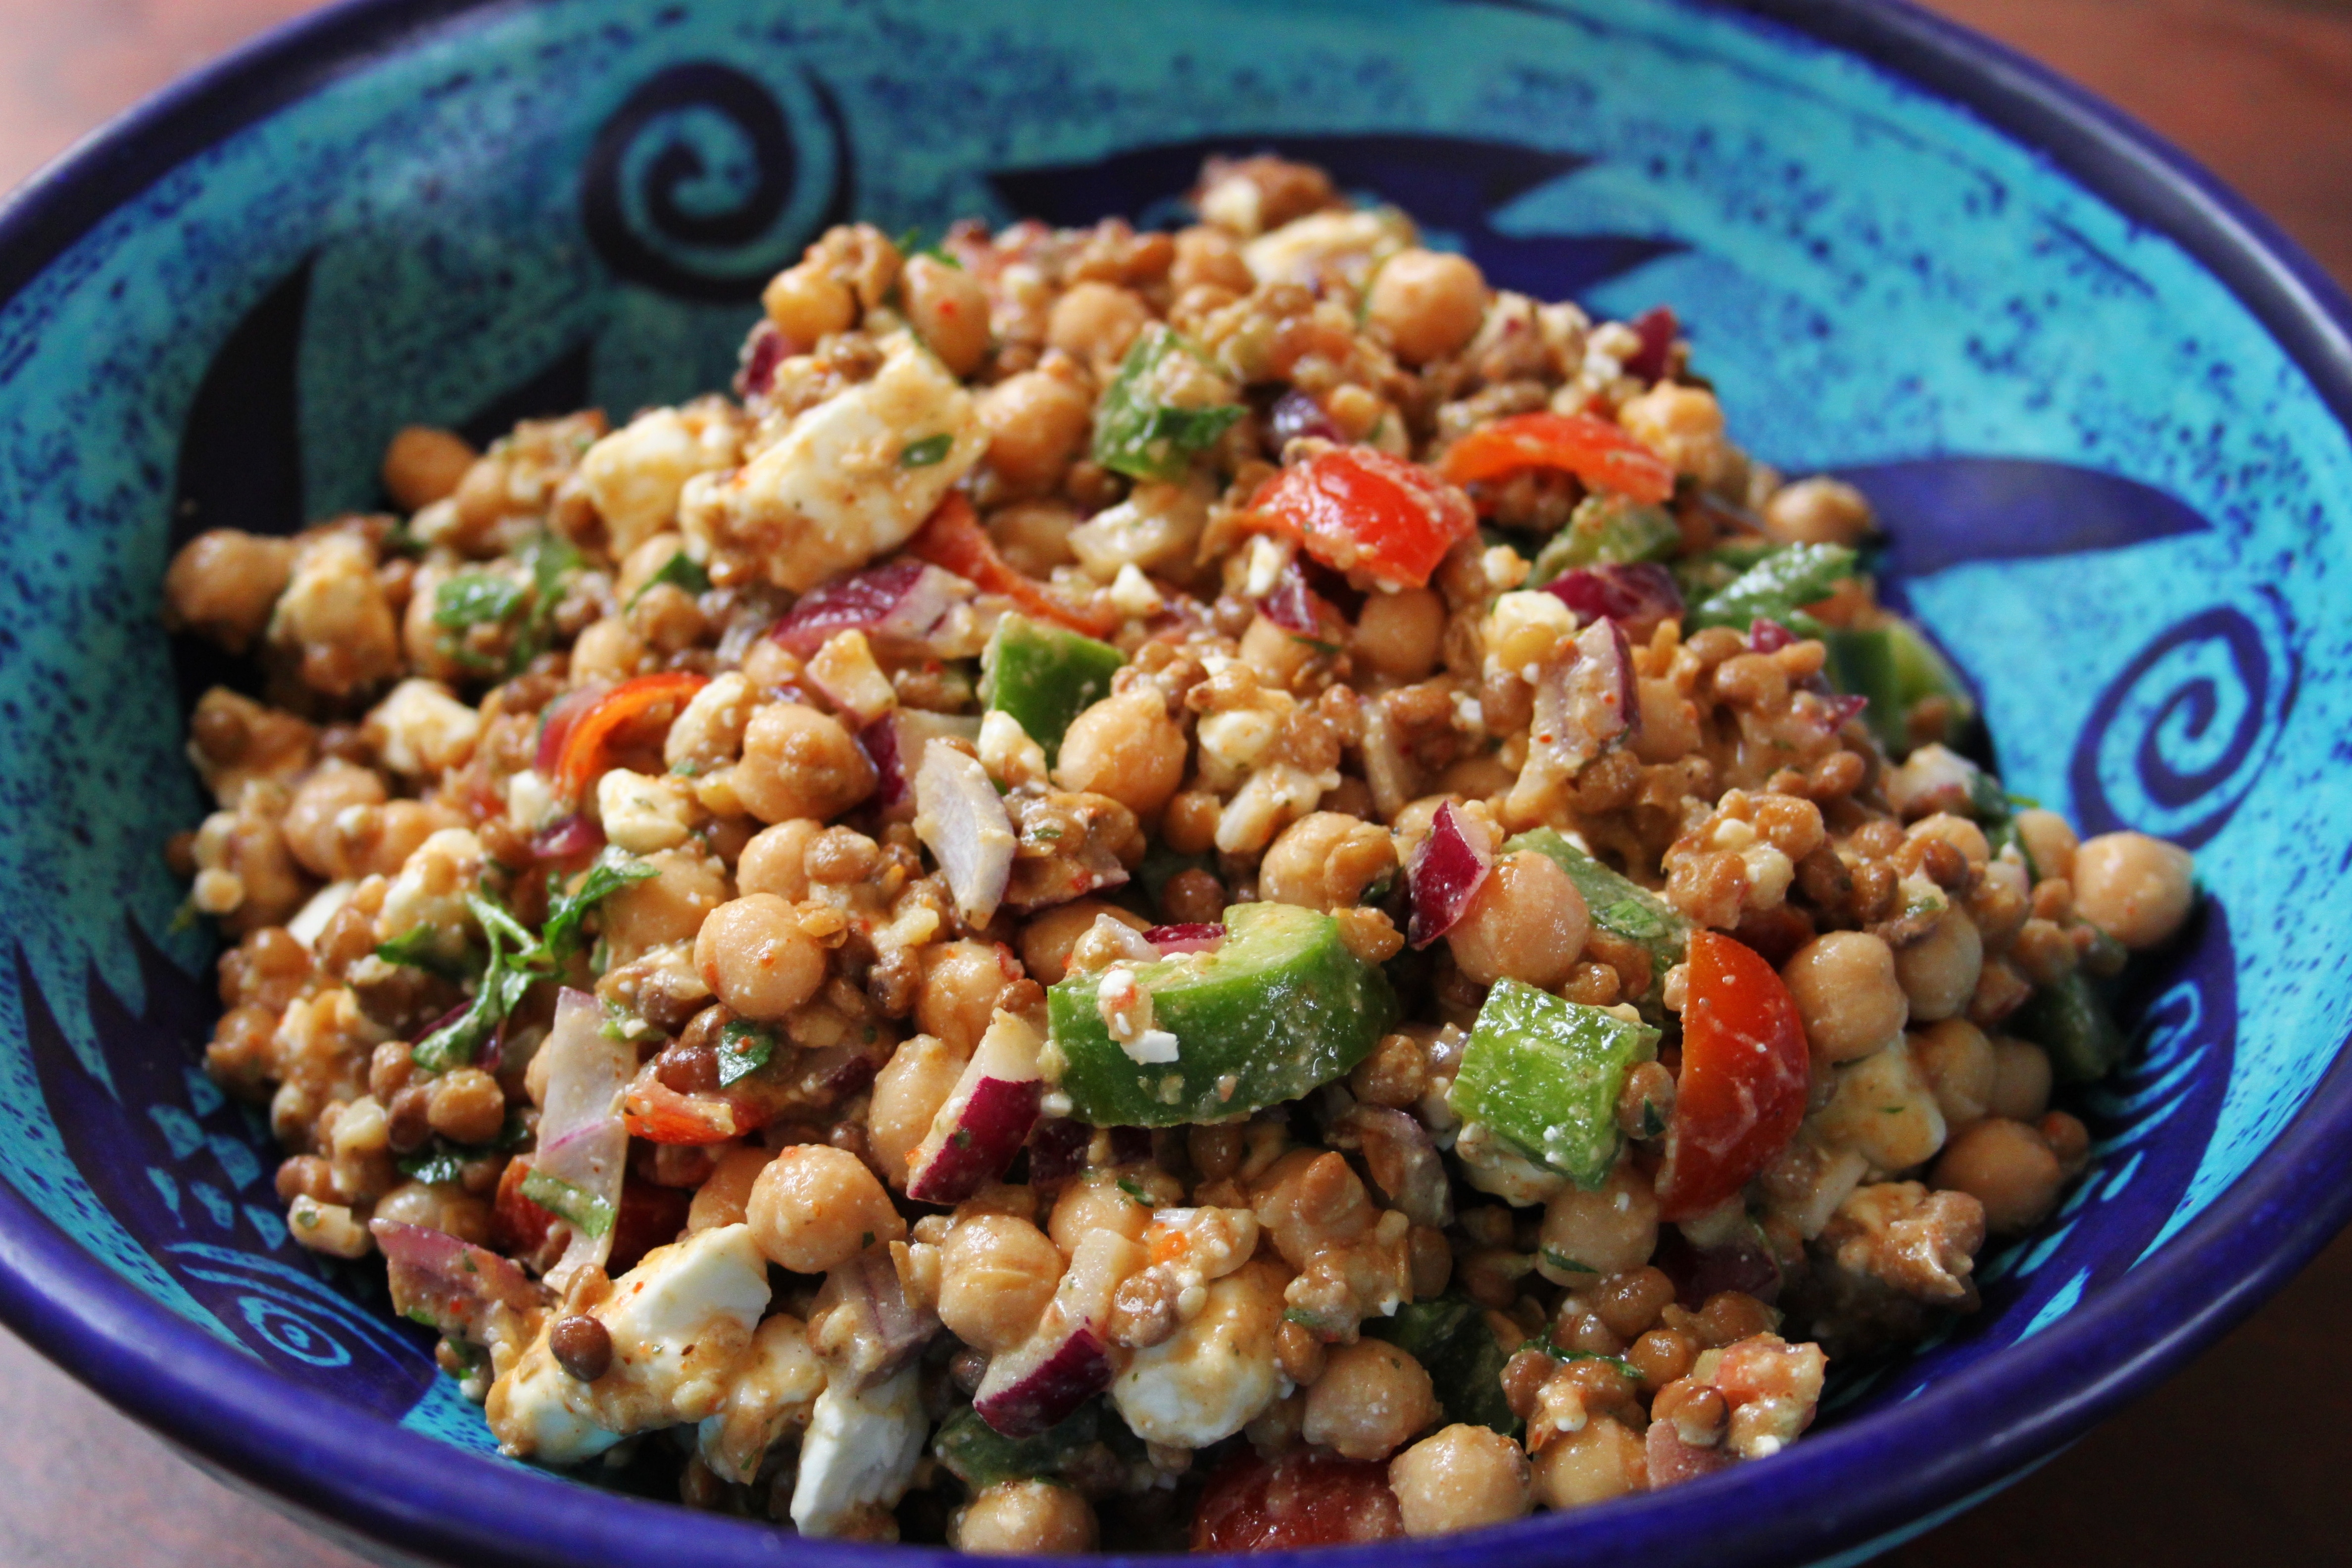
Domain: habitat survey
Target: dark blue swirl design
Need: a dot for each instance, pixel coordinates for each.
(636, 188)
(2178, 737)
(185, 1168)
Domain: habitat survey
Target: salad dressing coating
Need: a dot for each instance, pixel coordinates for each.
(1219, 888)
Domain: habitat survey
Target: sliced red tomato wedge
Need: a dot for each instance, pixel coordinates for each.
(1744, 1075)
(952, 539)
(636, 712)
(1356, 509)
(1594, 450)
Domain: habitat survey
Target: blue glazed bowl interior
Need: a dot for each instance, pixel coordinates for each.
(2101, 407)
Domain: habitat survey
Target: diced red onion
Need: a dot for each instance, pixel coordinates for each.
(1447, 871)
(1768, 636)
(961, 819)
(894, 743)
(574, 837)
(1293, 606)
(555, 725)
(1403, 1161)
(903, 601)
(1057, 1151)
(582, 1137)
(1670, 1461)
(891, 1330)
(458, 1284)
(1636, 595)
(763, 351)
(1198, 937)
(1657, 328)
(1297, 413)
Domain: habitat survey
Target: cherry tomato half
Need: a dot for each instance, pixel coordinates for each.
(1356, 509)
(1301, 1499)
(1744, 1076)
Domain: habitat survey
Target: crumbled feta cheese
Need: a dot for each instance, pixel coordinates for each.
(420, 728)
(1011, 757)
(861, 1450)
(643, 814)
(1132, 594)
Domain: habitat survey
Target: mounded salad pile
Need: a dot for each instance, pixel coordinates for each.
(1214, 887)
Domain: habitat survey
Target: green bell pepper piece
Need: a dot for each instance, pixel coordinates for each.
(1280, 1008)
(1545, 1075)
(2070, 1021)
(1776, 587)
(1044, 676)
(1607, 530)
(1898, 668)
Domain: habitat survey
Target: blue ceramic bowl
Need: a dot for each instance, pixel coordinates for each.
(2103, 403)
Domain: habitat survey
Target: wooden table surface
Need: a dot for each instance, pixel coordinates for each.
(2237, 1456)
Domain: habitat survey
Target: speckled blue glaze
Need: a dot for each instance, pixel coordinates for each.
(2103, 406)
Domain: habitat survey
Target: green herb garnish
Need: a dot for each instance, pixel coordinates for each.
(930, 449)
(680, 571)
(583, 1211)
(744, 1047)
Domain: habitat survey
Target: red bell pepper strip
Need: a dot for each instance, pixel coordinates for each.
(1594, 450)
(597, 734)
(1744, 1076)
(1356, 509)
(953, 541)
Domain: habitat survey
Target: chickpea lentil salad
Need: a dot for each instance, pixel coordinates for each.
(1215, 887)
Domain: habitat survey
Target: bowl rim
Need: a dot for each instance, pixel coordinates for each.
(1853, 1484)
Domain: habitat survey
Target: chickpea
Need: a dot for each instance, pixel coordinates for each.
(1371, 1397)
(423, 464)
(2008, 1167)
(1819, 512)
(1209, 256)
(814, 1206)
(310, 821)
(1096, 1202)
(1603, 1460)
(1097, 322)
(1034, 536)
(1959, 1065)
(1429, 302)
(996, 1274)
(962, 983)
(949, 309)
(1460, 1478)
(666, 908)
(460, 1214)
(1938, 972)
(1047, 939)
(1398, 635)
(1327, 861)
(756, 959)
(223, 584)
(466, 1106)
(806, 303)
(1013, 1517)
(1885, 1109)
(1126, 747)
(2020, 1080)
(798, 762)
(1846, 991)
(1034, 421)
(1589, 1236)
(907, 1094)
(607, 650)
(776, 860)
(1526, 924)
(725, 1197)
(2050, 842)
(2136, 888)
